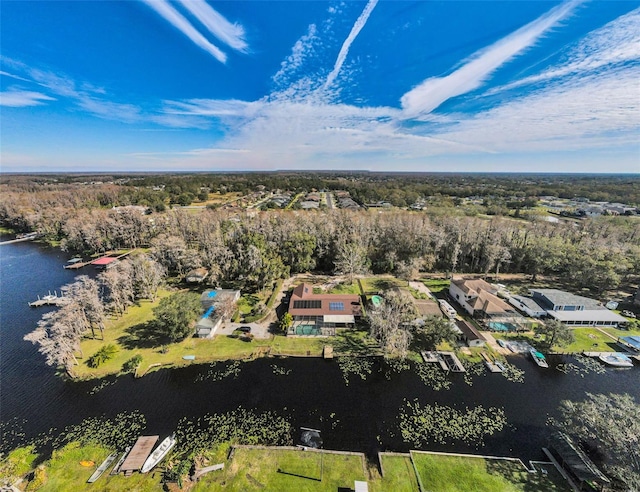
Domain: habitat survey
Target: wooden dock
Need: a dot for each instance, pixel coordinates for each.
(201, 471)
(82, 264)
(327, 352)
(49, 300)
(138, 454)
(429, 356)
(28, 237)
(451, 361)
(491, 365)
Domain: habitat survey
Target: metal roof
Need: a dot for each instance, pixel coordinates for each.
(587, 315)
(562, 298)
(578, 462)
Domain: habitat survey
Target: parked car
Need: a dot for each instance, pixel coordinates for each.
(628, 314)
(245, 329)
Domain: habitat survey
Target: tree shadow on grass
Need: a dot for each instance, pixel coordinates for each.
(142, 335)
(528, 482)
(353, 342)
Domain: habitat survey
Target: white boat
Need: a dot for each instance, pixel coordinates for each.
(102, 468)
(501, 342)
(72, 261)
(538, 358)
(116, 469)
(616, 359)
(159, 453)
(500, 366)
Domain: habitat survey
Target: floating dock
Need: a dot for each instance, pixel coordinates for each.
(102, 261)
(327, 352)
(451, 361)
(138, 454)
(429, 356)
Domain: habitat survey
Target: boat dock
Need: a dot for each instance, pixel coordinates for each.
(138, 454)
(491, 365)
(429, 356)
(82, 264)
(27, 237)
(451, 361)
(49, 300)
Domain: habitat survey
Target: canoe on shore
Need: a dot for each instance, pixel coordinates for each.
(102, 468)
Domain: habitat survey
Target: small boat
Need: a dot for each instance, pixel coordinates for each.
(102, 468)
(159, 453)
(72, 261)
(538, 358)
(616, 359)
(116, 469)
(501, 342)
(189, 357)
(500, 365)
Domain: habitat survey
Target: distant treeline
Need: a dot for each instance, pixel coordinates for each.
(400, 190)
(253, 249)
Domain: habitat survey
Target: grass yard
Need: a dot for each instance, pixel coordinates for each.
(440, 473)
(64, 472)
(399, 475)
(353, 288)
(622, 333)
(437, 285)
(589, 340)
(373, 285)
(285, 470)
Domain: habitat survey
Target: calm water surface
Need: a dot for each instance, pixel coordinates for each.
(361, 416)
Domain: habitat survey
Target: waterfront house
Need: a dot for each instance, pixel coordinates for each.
(528, 306)
(574, 310)
(478, 298)
(217, 305)
(321, 314)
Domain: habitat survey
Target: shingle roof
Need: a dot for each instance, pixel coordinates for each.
(329, 304)
(473, 285)
(469, 331)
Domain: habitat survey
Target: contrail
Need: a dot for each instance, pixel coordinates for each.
(355, 30)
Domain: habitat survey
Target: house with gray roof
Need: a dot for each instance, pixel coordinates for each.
(574, 310)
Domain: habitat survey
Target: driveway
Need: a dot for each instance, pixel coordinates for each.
(258, 330)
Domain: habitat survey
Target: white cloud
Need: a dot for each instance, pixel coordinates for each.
(177, 20)
(230, 34)
(432, 92)
(7, 74)
(16, 98)
(344, 50)
(615, 43)
(301, 51)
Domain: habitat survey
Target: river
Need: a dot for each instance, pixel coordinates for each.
(360, 416)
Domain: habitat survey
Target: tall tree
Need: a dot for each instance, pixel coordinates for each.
(435, 330)
(176, 314)
(555, 333)
(388, 324)
(611, 425)
(147, 274)
(351, 260)
(84, 297)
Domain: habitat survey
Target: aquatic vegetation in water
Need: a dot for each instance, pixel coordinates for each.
(116, 433)
(395, 366)
(513, 373)
(432, 375)
(473, 369)
(11, 434)
(280, 371)
(586, 365)
(103, 384)
(213, 374)
(421, 425)
(360, 366)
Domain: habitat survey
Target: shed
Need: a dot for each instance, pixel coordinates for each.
(138, 454)
(470, 334)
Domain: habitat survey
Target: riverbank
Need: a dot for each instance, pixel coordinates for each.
(133, 335)
(288, 468)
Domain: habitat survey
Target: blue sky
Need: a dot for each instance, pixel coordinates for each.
(153, 85)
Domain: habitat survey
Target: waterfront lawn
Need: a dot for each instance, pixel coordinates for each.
(589, 340)
(278, 469)
(623, 333)
(440, 473)
(64, 472)
(399, 475)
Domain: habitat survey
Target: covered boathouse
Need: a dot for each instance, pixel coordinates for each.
(577, 465)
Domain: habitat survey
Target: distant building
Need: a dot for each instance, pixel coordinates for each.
(196, 276)
(321, 314)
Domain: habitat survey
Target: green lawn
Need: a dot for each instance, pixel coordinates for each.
(437, 285)
(284, 470)
(440, 473)
(399, 475)
(622, 333)
(589, 340)
(353, 288)
(373, 285)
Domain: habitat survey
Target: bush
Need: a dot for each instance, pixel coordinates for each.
(105, 353)
(132, 364)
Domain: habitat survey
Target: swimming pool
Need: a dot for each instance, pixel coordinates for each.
(500, 326)
(307, 330)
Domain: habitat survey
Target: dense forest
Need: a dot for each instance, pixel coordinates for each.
(253, 248)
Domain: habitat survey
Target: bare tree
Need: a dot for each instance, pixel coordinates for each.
(148, 274)
(83, 298)
(351, 260)
(388, 323)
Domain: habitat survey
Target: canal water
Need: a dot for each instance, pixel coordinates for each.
(360, 416)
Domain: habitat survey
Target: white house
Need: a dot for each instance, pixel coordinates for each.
(478, 297)
(528, 305)
(574, 310)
